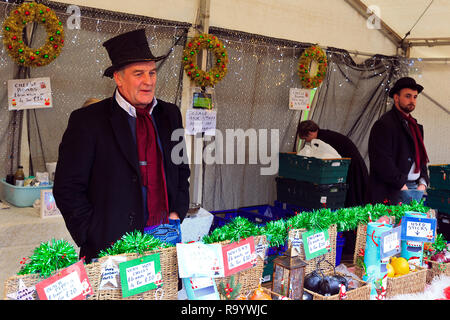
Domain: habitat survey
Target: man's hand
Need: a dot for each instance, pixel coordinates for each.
(174, 216)
(421, 187)
(404, 188)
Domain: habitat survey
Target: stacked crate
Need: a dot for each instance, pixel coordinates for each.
(438, 196)
(312, 183)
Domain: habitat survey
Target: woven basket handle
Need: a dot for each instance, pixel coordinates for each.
(319, 261)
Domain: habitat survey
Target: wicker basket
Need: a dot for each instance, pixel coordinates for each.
(360, 242)
(360, 293)
(169, 271)
(94, 279)
(412, 282)
(437, 269)
(330, 256)
(249, 279)
(12, 284)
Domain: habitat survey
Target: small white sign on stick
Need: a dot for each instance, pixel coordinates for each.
(299, 99)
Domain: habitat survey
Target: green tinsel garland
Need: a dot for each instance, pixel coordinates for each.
(134, 242)
(277, 231)
(49, 257)
(318, 219)
(239, 228)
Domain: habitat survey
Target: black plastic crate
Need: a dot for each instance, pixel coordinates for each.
(439, 176)
(315, 170)
(290, 209)
(443, 224)
(438, 199)
(310, 195)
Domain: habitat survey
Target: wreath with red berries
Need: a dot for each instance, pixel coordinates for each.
(13, 31)
(313, 53)
(212, 76)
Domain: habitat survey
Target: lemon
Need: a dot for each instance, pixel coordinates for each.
(400, 265)
(390, 270)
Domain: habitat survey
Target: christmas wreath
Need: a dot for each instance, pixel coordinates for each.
(317, 54)
(13, 30)
(212, 76)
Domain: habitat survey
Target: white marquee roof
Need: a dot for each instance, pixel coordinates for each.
(427, 20)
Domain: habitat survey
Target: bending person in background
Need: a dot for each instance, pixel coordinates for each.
(358, 175)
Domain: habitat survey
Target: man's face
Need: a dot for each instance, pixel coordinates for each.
(137, 82)
(311, 135)
(405, 100)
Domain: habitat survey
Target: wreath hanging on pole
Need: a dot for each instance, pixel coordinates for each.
(313, 53)
(212, 76)
(13, 35)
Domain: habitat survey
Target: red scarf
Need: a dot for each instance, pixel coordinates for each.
(151, 166)
(421, 152)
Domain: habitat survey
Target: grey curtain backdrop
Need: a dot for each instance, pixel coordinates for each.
(353, 96)
(254, 96)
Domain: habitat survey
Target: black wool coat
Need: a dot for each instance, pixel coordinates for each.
(391, 155)
(97, 185)
(357, 175)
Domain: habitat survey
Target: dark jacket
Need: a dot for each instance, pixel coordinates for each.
(97, 183)
(357, 175)
(391, 155)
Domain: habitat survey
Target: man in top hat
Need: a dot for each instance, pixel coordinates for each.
(115, 172)
(397, 154)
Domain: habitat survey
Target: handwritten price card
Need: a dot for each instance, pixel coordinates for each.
(198, 121)
(70, 283)
(208, 261)
(239, 256)
(31, 93)
(110, 274)
(316, 243)
(299, 99)
(390, 243)
(418, 229)
(140, 275)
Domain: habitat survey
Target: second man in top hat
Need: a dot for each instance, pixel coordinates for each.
(397, 153)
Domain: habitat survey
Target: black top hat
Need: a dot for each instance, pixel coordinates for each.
(405, 82)
(128, 48)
